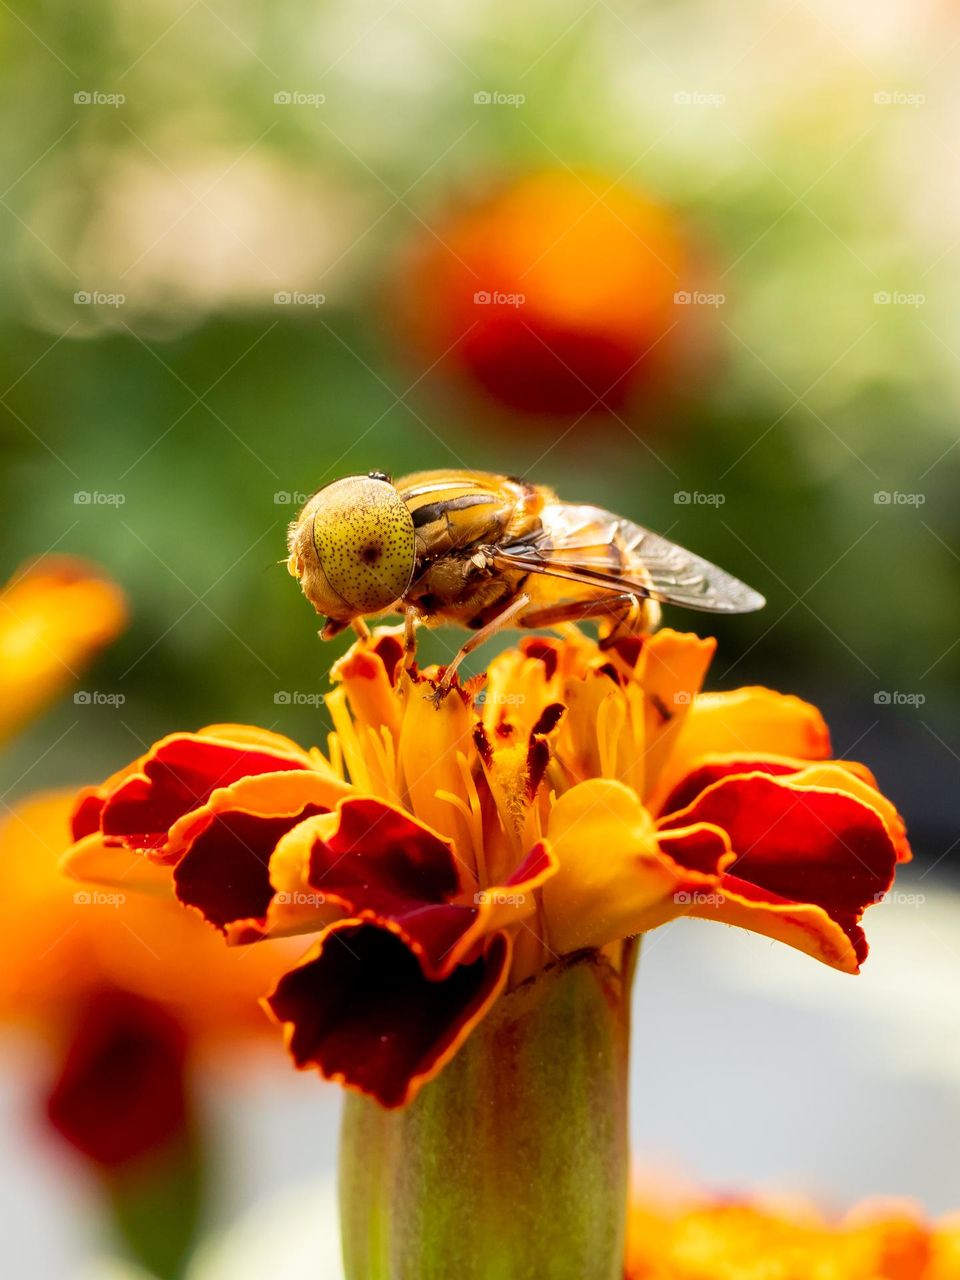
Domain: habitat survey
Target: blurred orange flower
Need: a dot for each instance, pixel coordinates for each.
(740, 1240)
(54, 616)
(555, 293)
(572, 797)
(111, 981)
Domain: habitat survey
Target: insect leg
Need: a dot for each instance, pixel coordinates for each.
(409, 637)
(577, 611)
(361, 628)
(490, 629)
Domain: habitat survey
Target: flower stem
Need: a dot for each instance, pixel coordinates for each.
(512, 1164)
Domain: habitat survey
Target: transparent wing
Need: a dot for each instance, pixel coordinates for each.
(593, 547)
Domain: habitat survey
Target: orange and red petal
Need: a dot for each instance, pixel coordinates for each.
(499, 907)
(225, 872)
(176, 777)
(802, 925)
(840, 775)
(380, 857)
(724, 765)
(616, 874)
(93, 861)
(383, 865)
(361, 1009)
(751, 721)
(699, 848)
(226, 850)
(857, 781)
(796, 845)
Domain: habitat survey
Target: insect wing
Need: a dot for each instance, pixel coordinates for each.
(593, 547)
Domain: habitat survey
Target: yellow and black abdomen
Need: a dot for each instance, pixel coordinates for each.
(457, 517)
(456, 510)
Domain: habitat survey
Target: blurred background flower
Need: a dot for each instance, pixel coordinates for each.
(697, 1239)
(238, 245)
(553, 293)
(127, 996)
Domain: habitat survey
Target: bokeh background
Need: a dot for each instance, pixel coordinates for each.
(697, 264)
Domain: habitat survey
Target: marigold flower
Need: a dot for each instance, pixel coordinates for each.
(129, 993)
(730, 1239)
(54, 615)
(112, 982)
(573, 797)
(555, 293)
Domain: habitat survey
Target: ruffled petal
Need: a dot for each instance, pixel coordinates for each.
(822, 851)
(251, 735)
(806, 927)
(225, 872)
(841, 775)
(93, 861)
(221, 853)
(178, 776)
(227, 845)
(857, 781)
(361, 1010)
(378, 864)
(614, 878)
(500, 908)
(744, 722)
(376, 852)
(714, 767)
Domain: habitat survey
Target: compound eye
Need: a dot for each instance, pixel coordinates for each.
(365, 541)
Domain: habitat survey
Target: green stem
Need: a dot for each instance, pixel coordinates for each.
(512, 1164)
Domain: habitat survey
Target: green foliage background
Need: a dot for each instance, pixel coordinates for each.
(199, 400)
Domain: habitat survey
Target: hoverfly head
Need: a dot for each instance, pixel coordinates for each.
(353, 548)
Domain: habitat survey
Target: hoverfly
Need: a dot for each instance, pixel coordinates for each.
(484, 551)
